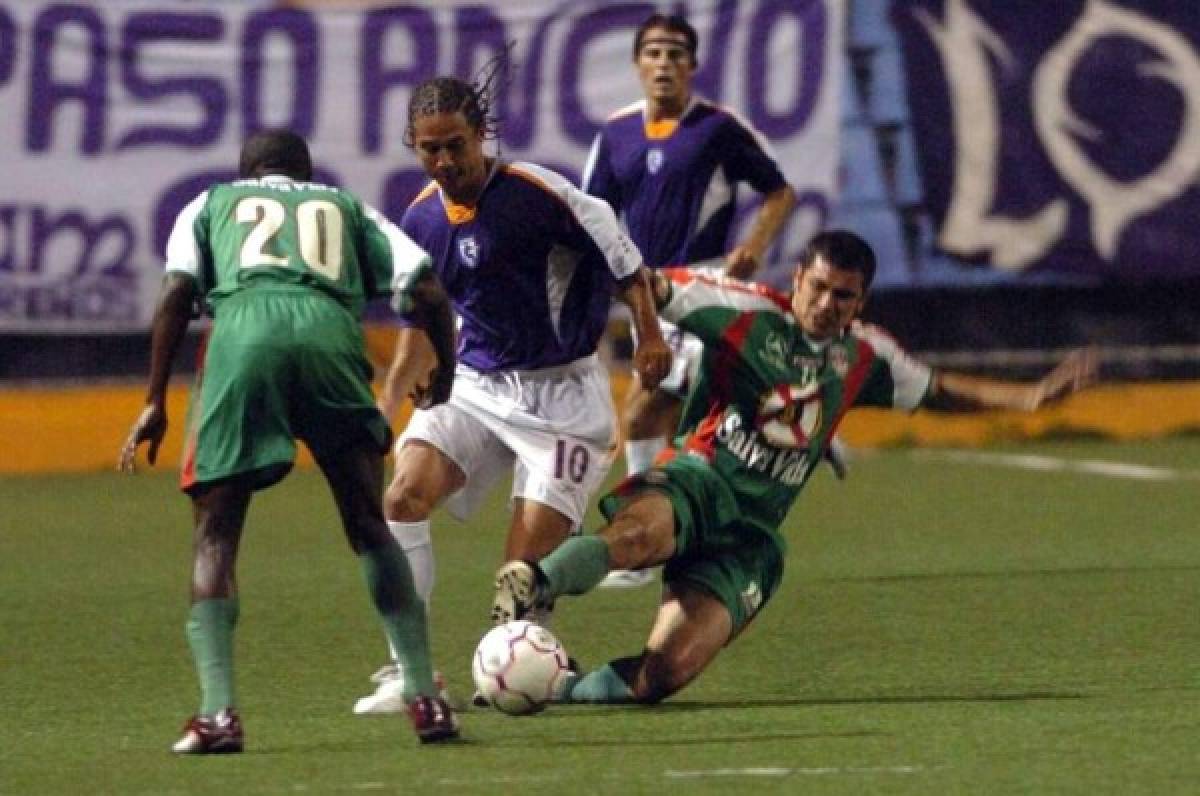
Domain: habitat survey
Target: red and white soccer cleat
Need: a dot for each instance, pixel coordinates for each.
(433, 720)
(220, 734)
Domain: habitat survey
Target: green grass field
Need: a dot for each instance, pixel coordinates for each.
(944, 627)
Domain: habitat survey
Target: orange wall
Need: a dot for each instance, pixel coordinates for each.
(80, 429)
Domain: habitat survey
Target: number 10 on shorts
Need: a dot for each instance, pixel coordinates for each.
(570, 461)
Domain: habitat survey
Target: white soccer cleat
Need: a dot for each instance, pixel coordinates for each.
(517, 592)
(627, 579)
(389, 693)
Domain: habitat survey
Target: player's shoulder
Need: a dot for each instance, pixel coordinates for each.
(424, 201)
(706, 111)
(880, 340)
(741, 294)
(629, 114)
(536, 177)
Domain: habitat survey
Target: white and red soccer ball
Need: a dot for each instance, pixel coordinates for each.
(518, 667)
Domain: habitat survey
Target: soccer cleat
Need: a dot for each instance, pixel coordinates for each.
(517, 592)
(627, 579)
(433, 720)
(388, 697)
(220, 734)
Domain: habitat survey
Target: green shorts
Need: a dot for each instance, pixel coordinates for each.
(281, 364)
(736, 562)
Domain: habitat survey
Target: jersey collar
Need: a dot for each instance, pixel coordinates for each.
(659, 130)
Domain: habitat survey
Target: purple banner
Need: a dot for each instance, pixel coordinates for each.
(1059, 136)
(113, 115)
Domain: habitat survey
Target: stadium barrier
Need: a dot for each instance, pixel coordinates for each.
(80, 429)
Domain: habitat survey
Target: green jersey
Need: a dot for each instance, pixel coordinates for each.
(768, 399)
(278, 233)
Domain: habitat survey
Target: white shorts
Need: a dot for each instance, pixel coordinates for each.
(554, 429)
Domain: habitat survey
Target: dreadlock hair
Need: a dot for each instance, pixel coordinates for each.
(473, 98)
(842, 249)
(275, 152)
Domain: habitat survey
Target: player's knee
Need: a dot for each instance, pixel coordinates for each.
(631, 544)
(405, 502)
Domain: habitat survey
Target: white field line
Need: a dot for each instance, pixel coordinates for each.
(1023, 461)
(821, 771)
(759, 772)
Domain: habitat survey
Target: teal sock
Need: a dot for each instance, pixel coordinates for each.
(390, 582)
(601, 686)
(576, 566)
(210, 635)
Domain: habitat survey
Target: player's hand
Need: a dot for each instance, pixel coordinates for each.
(652, 361)
(1078, 370)
(150, 426)
(741, 263)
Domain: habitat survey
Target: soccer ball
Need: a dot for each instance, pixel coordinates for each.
(518, 666)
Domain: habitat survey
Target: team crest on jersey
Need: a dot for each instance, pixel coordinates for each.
(790, 415)
(839, 359)
(468, 251)
(654, 160)
(774, 351)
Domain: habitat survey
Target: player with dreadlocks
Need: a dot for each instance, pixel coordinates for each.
(531, 265)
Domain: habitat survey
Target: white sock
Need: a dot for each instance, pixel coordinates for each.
(414, 539)
(640, 453)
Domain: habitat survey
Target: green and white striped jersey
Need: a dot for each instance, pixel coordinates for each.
(768, 399)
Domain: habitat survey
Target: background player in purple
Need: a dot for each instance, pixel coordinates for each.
(531, 265)
(779, 373)
(669, 164)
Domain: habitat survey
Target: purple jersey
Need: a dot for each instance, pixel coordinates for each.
(531, 269)
(675, 184)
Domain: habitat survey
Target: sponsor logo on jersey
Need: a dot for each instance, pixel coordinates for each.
(788, 464)
(468, 251)
(807, 362)
(654, 160)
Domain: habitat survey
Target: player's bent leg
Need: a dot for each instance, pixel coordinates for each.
(422, 478)
(651, 416)
(355, 475)
(691, 628)
(535, 530)
(689, 631)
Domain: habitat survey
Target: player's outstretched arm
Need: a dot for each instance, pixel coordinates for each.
(422, 367)
(171, 318)
(958, 392)
(745, 258)
(652, 359)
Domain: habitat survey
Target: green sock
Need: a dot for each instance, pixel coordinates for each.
(576, 566)
(601, 686)
(390, 582)
(210, 635)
